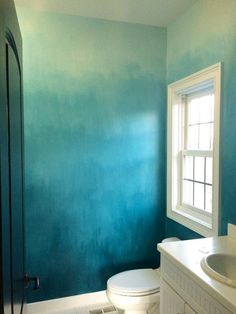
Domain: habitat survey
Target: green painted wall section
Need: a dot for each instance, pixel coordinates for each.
(203, 36)
(95, 125)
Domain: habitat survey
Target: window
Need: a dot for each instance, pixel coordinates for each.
(193, 151)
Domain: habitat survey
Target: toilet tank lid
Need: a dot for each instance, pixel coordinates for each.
(173, 239)
(134, 281)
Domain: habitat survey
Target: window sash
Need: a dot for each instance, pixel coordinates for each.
(197, 153)
(182, 178)
(185, 100)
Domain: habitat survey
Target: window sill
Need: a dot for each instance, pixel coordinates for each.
(202, 227)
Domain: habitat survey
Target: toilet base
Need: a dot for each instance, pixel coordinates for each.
(135, 304)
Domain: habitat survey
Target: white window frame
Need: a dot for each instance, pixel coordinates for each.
(206, 225)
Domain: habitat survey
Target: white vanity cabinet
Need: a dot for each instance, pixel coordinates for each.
(188, 309)
(181, 295)
(185, 288)
(172, 303)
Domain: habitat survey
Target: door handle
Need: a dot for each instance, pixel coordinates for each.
(35, 280)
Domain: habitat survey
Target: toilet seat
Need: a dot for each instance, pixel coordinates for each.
(138, 282)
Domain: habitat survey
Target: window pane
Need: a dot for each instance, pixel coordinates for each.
(199, 166)
(199, 195)
(187, 192)
(208, 198)
(188, 167)
(193, 137)
(193, 112)
(205, 136)
(206, 108)
(209, 170)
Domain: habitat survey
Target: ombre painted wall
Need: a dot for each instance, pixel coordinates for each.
(203, 36)
(95, 125)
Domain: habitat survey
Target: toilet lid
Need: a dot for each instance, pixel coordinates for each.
(135, 282)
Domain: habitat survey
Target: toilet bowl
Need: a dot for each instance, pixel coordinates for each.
(136, 291)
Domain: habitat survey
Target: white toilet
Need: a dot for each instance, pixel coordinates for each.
(136, 291)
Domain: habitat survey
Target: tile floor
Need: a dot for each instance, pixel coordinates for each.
(93, 309)
(92, 303)
(98, 309)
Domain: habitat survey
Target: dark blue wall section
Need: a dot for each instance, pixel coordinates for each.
(174, 229)
(95, 125)
(203, 36)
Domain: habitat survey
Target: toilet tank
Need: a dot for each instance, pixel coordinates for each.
(173, 239)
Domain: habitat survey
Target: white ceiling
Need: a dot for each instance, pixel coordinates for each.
(147, 12)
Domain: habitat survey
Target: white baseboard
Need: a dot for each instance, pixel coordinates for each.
(67, 303)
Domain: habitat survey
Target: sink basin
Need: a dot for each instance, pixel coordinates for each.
(221, 267)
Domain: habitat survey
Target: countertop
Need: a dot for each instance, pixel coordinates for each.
(187, 256)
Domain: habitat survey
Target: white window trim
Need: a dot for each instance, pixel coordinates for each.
(208, 227)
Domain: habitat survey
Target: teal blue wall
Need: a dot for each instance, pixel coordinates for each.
(203, 36)
(95, 112)
(95, 130)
